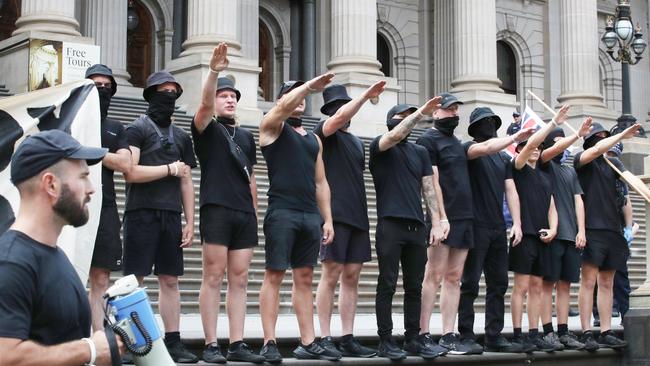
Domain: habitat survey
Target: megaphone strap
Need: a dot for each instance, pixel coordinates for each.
(116, 360)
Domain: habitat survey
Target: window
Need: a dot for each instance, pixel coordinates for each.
(507, 68)
(383, 55)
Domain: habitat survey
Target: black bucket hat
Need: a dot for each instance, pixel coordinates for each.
(481, 113)
(288, 86)
(103, 70)
(400, 108)
(334, 96)
(227, 84)
(550, 138)
(595, 129)
(159, 78)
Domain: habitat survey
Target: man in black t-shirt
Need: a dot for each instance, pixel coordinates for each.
(564, 250)
(44, 311)
(299, 208)
(159, 188)
(107, 255)
(490, 176)
(344, 159)
(516, 125)
(606, 249)
(402, 174)
(228, 220)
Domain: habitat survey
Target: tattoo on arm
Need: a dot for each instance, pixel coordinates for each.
(429, 193)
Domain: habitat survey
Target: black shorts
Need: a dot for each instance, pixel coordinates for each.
(292, 238)
(153, 238)
(108, 245)
(461, 234)
(605, 249)
(528, 257)
(350, 245)
(225, 226)
(563, 262)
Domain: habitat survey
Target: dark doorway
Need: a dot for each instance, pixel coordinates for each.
(507, 67)
(9, 13)
(383, 55)
(139, 53)
(265, 55)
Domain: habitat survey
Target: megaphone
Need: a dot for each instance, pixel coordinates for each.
(130, 315)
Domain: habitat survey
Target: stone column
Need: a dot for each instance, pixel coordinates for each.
(105, 21)
(579, 53)
(442, 45)
(210, 22)
(475, 52)
(354, 37)
(53, 16)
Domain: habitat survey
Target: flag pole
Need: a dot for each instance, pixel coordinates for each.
(620, 173)
(550, 110)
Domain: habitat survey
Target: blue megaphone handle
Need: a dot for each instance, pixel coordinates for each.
(138, 351)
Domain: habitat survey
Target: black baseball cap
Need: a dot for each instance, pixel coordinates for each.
(288, 86)
(46, 148)
(225, 83)
(400, 108)
(448, 100)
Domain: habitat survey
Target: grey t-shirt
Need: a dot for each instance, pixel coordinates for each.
(565, 186)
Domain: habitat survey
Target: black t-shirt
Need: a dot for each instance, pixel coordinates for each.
(113, 138)
(42, 298)
(447, 153)
(513, 128)
(397, 174)
(344, 159)
(598, 181)
(291, 161)
(222, 183)
(165, 193)
(487, 176)
(565, 187)
(535, 190)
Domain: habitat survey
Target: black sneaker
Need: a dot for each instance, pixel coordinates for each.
(180, 354)
(240, 351)
(541, 343)
(271, 353)
(573, 312)
(352, 348)
(315, 352)
(328, 344)
(596, 322)
(451, 342)
(554, 340)
(501, 344)
(524, 343)
(472, 345)
(609, 340)
(427, 340)
(417, 347)
(389, 349)
(587, 338)
(212, 354)
(570, 341)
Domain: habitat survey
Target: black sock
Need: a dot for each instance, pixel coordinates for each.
(533, 332)
(562, 329)
(548, 328)
(588, 332)
(607, 332)
(234, 345)
(346, 338)
(172, 337)
(517, 332)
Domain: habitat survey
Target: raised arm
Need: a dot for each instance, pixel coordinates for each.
(323, 197)
(271, 124)
(349, 109)
(604, 145)
(512, 198)
(404, 128)
(538, 137)
(565, 142)
(494, 145)
(218, 62)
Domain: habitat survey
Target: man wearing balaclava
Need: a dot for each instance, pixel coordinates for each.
(606, 248)
(159, 189)
(402, 175)
(107, 255)
(344, 160)
(490, 177)
(564, 250)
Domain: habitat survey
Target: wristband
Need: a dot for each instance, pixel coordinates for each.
(309, 89)
(175, 170)
(444, 220)
(169, 170)
(93, 351)
(554, 123)
(212, 70)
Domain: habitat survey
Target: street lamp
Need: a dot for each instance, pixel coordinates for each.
(619, 30)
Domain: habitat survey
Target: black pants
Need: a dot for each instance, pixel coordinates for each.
(398, 241)
(489, 254)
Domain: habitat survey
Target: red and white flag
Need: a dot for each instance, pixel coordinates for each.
(528, 119)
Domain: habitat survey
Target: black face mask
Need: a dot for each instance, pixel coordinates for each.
(483, 130)
(161, 108)
(294, 122)
(591, 142)
(104, 101)
(446, 125)
(226, 121)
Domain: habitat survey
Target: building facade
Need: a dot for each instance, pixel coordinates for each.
(488, 52)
